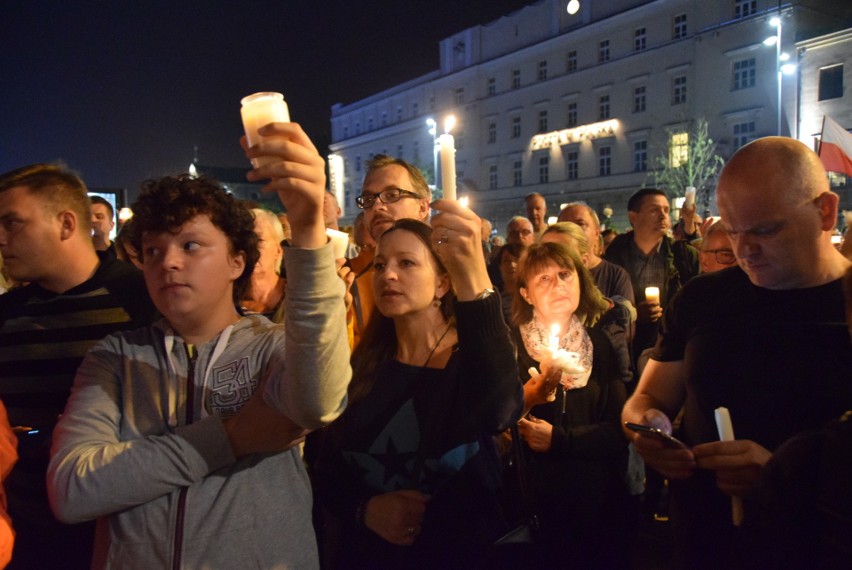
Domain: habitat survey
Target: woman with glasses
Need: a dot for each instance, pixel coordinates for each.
(716, 251)
(410, 469)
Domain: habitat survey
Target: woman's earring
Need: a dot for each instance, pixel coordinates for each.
(436, 302)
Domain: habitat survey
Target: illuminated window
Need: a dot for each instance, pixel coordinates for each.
(572, 164)
(744, 73)
(639, 41)
(639, 99)
(571, 61)
(678, 149)
(572, 114)
(679, 27)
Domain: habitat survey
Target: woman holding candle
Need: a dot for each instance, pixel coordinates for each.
(575, 451)
(411, 469)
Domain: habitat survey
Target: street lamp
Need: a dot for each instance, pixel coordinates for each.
(781, 68)
(433, 130)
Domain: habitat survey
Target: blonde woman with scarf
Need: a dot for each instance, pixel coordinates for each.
(575, 453)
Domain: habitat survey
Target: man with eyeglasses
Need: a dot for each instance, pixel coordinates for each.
(766, 340)
(393, 189)
(520, 231)
(715, 252)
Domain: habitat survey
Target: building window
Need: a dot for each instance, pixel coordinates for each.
(516, 78)
(640, 156)
(743, 8)
(572, 164)
(639, 39)
(492, 86)
(492, 133)
(604, 161)
(743, 134)
(516, 127)
(542, 121)
(542, 70)
(346, 132)
(543, 169)
(603, 107)
(432, 102)
(399, 151)
(357, 128)
(459, 141)
(398, 114)
(679, 90)
(603, 51)
(831, 82)
(572, 114)
(416, 151)
(679, 27)
(639, 99)
(744, 73)
(459, 96)
(384, 118)
(414, 109)
(358, 163)
(571, 62)
(370, 124)
(517, 173)
(678, 149)
(492, 177)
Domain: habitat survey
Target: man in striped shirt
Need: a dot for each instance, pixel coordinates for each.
(71, 301)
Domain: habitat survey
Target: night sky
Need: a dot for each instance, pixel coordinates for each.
(123, 90)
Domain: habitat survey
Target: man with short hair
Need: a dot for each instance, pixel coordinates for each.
(520, 230)
(767, 340)
(611, 279)
(715, 252)
(536, 207)
(103, 221)
(652, 259)
(393, 189)
(72, 301)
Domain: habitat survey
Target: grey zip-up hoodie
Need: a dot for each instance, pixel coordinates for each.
(166, 489)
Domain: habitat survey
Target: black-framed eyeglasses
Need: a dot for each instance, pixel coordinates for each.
(723, 256)
(389, 196)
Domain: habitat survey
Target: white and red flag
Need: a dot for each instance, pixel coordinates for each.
(835, 148)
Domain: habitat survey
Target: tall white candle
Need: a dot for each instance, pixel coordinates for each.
(726, 433)
(448, 165)
(689, 197)
(258, 110)
(652, 295)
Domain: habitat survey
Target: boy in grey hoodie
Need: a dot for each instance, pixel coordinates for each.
(181, 438)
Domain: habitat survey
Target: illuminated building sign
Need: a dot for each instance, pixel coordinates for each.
(577, 134)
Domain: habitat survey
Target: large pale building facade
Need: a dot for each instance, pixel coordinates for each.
(579, 106)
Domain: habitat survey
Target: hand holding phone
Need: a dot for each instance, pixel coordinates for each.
(658, 434)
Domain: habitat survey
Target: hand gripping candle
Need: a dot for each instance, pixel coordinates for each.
(258, 110)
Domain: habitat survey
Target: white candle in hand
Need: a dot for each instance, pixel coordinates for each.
(258, 110)
(448, 165)
(652, 295)
(726, 433)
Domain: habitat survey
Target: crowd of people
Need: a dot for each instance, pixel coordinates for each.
(216, 388)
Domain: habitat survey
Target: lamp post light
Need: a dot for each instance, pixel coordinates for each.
(781, 67)
(433, 130)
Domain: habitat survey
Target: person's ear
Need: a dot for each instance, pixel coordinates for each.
(67, 224)
(523, 292)
(827, 202)
(443, 285)
(237, 264)
(632, 217)
(424, 210)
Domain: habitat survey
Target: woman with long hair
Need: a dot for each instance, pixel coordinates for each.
(410, 469)
(575, 451)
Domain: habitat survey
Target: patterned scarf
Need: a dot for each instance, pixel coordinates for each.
(536, 340)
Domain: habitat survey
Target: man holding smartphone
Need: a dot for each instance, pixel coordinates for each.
(765, 339)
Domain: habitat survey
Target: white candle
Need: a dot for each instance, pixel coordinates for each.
(652, 295)
(553, 341)
(726, 433)
(258, 110)
(689, 199)
(448, 165)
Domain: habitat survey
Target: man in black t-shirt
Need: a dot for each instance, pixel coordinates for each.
(766, 340)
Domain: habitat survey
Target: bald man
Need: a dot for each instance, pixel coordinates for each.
(765, 339)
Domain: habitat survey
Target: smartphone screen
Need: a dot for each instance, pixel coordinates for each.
(656, 433)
